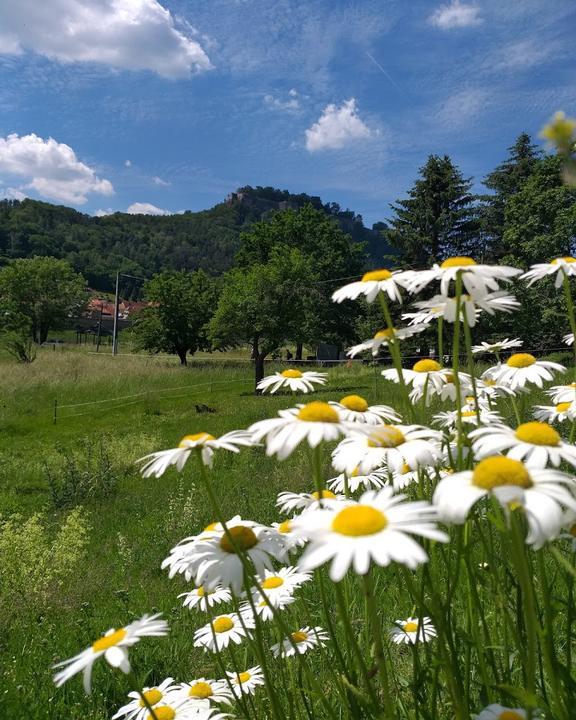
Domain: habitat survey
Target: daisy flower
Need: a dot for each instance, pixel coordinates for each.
(540, 493)
(477, 279)
(137, 710)
(536, 443)
(448, 390)
(354, 481)
(113, 647)
(384, 338)
(569, 339)
(265, 609)
(288, 537)
(223, 630)
(471, 305)
(563, 393)
(499, 712)
(497, 347)
(555, 413)
(523, 368)
(375, 529)
(393, 445)
(204, 599)
(469, 416)
(202, 691)
(561, 267)
(411, 631)
(404, 477)
(315, 422)
(372, 283)
(287, 501)
(355, 409)
(425, 372)
(307, 638)
(245, 683)
(488, 387)
(157, 463)
(294, 380)
(284, 581)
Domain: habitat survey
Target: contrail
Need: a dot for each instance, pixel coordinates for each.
(386, 75)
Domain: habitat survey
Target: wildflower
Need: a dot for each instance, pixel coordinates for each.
(375, 529)
(305, 639)
(204, 598)
(157, 463)
(471, 305)
(393, 445)
(563, 393)
(314, 422)
(372, 283)
(497, 347)
(469, 416)
(425, 372)
(540, 493)
(113, 647)
(355, 409)
(245, 683)
(384, 338)
(294, 380)
(447, 391)
(354, 481)
(523, 368)
(223, 630)
(404, 477)
(202, 691)
(278, 583)
(555, 413)
(560, 132)
(560, 267)
(569, 339)
(136, 709)
(488, 387)
(265, 609)
(411, 631)
(536, 443)
(288, 538)
(287, 501)
(499, 712)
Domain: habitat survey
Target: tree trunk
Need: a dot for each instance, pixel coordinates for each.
(298, 352)
(182, 356)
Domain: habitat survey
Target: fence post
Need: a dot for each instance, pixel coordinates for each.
(55, 411)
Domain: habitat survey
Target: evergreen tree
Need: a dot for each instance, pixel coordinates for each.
(438, 219)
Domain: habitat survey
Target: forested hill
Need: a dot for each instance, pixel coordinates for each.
(146, 244)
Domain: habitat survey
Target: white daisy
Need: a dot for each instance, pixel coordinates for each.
(277, 583)
(555, 413)
(561, 267)
(541, 494)
(157, 463)
(294, 380)
(500, 712)
(497, 347)
(404, 477)
(354, 481)
(355, 409)
(307, 638)
(203, 691)
(265, 609)
(569, 339)
(375, 529)
(471, 305)
(448, 390)
(223, 630)
(424, 373)
(477, 279)
(469, 416)
(315, 422)
(288, 501)
(393, 445)
(563, 393)
(488, 387)
(384, 338)
(290, 540)
(523, 368)
(536, 443)
(113, 646)
(245, 683)
(203, 599)
(136, 709)
(372, 283)
(411, 631)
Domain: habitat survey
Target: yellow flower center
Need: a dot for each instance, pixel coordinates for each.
(510, 715)
(458, 261)
(222, 624)
(299, 636)
(385, 334)
(424, 366)
(211, 527)
(405, 469)
(285, 527)
(354, 402)
(318, 411)
(291, 373)
(326, 494)
(273, 582)
(243, 537)
(109, 641)
(200, 592)
(200, 690)
(243, 677)
(164, 712)
(376, 275)
(562, 407)
(152, 696)
(537, 433)
(567, 259)
(449, 377)
(387, 436)
(489, 383)
(521, 360)
(572, 530)
(359, 520)
(410, 627)
(198, 437)
(495, 472)
(469, 413)
(355, 472)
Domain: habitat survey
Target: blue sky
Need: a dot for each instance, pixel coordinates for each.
(163, 106)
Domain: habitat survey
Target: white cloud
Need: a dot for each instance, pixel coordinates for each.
(11, 193)
(462, 109)
(337, 126)
(158, 181)
(125, 34)
(455, 15)
(128, 163)
(104, 212)
(290, 104)
(522, 55)
(140, 208)
(51, 168)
